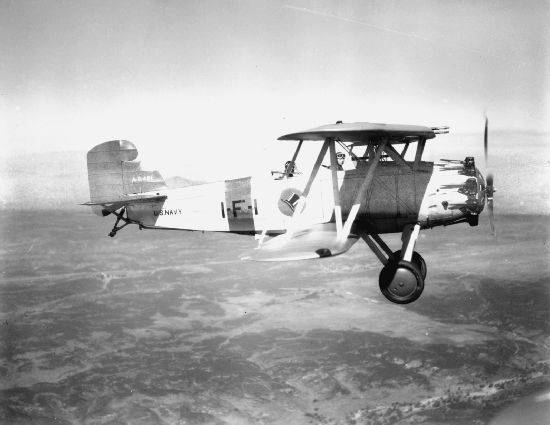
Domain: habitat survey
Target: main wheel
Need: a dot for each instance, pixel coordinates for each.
(401, 282)
(416, 259)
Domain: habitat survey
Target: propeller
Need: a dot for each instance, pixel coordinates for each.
(490, 189)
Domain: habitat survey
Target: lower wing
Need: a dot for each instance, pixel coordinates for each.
(317, 241)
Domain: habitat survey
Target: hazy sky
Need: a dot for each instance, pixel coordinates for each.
(215, 82)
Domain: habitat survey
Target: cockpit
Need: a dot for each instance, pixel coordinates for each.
(357, 156)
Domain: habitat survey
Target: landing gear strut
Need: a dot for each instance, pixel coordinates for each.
(120, 217)
(416, 259)
(402, 277)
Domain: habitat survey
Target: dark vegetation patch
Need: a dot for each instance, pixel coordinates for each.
(378, 360)
(166, 275)
(457, 306)
(464, 410)
(311, 296)
(207, 307)
(245, 319)
(256, 342)
(192, 417)
(15, 296)
(517, 304)
(505, 304)
(23, 268)
(48, 330)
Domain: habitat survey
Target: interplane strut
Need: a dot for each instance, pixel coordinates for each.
(335, 188)
(301, 203)
(293, 160)
(343, 230)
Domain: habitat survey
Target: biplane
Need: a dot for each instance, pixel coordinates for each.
(316, 215)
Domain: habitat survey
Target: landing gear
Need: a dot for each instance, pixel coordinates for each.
(119, 217)
(401, 282)
(402, 277)
(416, 259)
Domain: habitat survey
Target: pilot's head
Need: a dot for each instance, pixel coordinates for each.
(340, 158)
(289, 167)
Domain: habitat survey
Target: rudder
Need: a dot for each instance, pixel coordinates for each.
(113, 172)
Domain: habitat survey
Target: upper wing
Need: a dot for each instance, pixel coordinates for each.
(363, 131)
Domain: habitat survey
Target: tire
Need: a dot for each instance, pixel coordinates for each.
(401, 282)
(417, 260)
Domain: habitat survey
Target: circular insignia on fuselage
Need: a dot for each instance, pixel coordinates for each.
(289, 200)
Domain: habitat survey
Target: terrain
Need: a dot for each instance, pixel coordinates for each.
(171, 327)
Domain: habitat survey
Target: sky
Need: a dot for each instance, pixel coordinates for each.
(204, 88)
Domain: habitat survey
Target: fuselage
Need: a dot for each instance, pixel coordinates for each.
(431, 194)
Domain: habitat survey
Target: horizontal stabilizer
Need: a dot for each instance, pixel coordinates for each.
(128, 200)
(115, 204)
(315, 242)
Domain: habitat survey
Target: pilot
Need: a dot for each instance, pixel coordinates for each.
(290, 168)
(340, 158)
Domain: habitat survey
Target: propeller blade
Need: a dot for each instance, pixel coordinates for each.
(491, 215)
(486, 140)
(489, 191)
(489, 181)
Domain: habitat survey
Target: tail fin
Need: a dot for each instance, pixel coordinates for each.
(113, 173)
